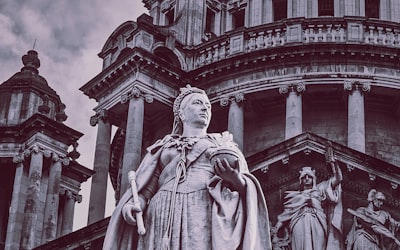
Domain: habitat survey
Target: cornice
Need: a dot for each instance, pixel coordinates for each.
(135, 62)
(39, 123)
(308, 142)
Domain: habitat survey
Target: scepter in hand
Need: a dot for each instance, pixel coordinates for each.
(135, 195)
(330, 159)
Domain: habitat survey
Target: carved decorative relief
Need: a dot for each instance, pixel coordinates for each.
(101, 115)
(136, 92)
(293, 87)
(226, 100)
(363, 87)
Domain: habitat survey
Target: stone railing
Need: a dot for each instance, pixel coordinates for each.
(298, 31)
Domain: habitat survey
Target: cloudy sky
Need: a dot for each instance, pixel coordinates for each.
(69, 34)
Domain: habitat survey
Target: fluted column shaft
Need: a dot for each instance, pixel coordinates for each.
(356, 115)
(294, 109)
(98, 191)
(52, 201)
(32, 200)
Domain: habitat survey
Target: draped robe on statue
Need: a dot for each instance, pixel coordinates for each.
(365, 236)
(315, 217)
(205, 213)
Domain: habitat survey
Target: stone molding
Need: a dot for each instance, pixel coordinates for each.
(293, 87)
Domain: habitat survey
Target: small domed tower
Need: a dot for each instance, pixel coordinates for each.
(27, 93)
(40, 180)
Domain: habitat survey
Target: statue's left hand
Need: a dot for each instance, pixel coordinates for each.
(230, 174)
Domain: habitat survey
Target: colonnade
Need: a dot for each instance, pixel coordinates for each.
(356, 113)
(136, 98)
(26, 213)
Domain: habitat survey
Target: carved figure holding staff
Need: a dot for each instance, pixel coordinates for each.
(373, 228)
(312, 215)
(188, 200)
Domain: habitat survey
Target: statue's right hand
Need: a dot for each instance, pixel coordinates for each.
(129, 211)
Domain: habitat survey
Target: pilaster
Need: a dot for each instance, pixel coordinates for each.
(294, 108)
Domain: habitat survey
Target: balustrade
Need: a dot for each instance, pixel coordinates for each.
(335, 30)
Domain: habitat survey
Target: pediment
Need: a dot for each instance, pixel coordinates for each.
(277, 168)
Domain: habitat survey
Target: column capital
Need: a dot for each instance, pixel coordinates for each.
(292, 87)
(351, 86)
(70, 195)
(100, 115)
(136, 92)
(228, 99)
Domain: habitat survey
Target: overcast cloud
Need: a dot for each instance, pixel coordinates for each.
(69, 34)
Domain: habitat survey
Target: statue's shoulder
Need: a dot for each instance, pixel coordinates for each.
(223, 139)
(159, 143)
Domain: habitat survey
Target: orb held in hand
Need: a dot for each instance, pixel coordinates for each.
(227, 153)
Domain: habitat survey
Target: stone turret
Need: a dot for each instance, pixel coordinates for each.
(40, 177)
(27, 93)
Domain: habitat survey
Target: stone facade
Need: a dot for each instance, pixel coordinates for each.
(291, 85)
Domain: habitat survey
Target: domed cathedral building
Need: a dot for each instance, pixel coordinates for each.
(40, 177)
(297, 82)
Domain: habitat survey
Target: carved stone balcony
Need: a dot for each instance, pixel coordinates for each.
(347, 30)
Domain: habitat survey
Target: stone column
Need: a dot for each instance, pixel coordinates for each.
(134, 133)
(98, 191)
(69, 207)
(14, 226)
(52, 201)
(32, 199)
(235, 117)
(294, 112)
(356, 114)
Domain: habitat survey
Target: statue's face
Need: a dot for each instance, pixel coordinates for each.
(197, 111)
(307, 181)
(378, 202)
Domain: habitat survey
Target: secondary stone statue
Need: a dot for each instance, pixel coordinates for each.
(312, 216)
(193, 195)
(373, 228)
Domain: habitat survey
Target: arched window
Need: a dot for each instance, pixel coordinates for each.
(280, 9)
(372, 8)
(326, 8)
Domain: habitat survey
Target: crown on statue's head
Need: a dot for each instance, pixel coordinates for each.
(185, 91)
